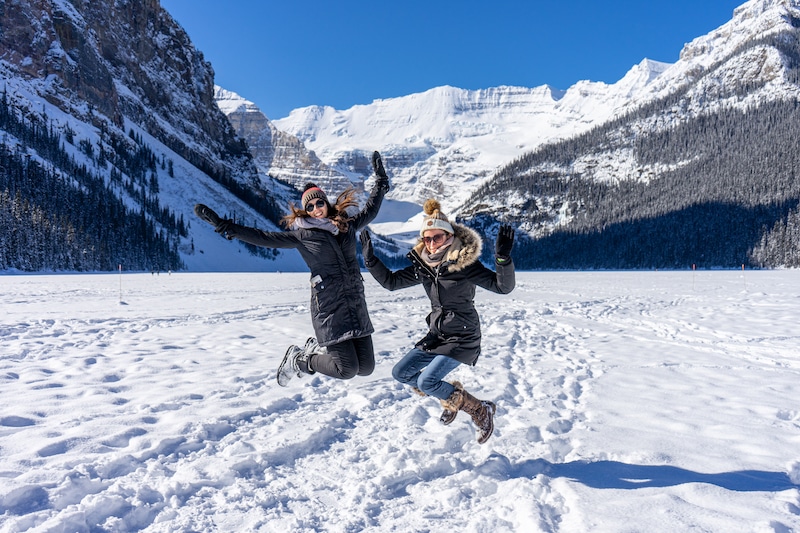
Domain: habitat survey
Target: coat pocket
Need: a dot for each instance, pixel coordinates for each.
(454, 324)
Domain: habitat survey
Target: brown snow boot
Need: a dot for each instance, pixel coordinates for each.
(482, 412)
(452, 404)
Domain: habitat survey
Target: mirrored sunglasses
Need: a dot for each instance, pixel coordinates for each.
(310, 206)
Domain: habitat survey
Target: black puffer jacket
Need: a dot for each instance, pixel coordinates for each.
(338, 308)
(454, 327)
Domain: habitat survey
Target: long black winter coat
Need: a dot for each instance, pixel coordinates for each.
(454, 327)
(338, 307)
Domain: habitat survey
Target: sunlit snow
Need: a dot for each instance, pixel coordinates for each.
(637, 401)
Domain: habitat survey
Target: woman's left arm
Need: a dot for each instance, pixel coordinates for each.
(371, 208)
(501, 281)
(375, 199)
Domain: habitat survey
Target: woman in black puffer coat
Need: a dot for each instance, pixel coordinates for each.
(325, 236)
(445, 262)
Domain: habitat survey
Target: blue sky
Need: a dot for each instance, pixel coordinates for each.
(287, 54)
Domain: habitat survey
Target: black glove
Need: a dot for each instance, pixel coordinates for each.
(223, 226)
(226, 229)
(505, 242)
(207, 214)
(366, 247)
(377, 166)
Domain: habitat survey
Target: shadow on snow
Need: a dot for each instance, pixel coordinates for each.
(616, 475)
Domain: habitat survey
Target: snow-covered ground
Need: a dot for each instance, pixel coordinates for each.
(628, 401)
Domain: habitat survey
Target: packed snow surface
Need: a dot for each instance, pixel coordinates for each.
(627, 401)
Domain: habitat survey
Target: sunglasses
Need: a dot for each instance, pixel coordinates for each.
(435, 239)
(310, 206)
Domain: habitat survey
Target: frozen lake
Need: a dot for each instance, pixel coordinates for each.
(627, 401)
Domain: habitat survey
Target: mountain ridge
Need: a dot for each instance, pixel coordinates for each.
(147, 130)
(632, 192)
(138, 114)
(447, 140)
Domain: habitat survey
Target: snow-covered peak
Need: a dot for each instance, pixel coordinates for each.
(753, 19)
(441, 114)
(717, 51)
(447, 141)
(230, 102)
(641, 75)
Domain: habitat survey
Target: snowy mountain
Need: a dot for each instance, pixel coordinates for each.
(446, 142)
(700, 168)
(110, 135)
(734, 55)
(449, 142)
(600, 156)
(112, 139)
(278, 154)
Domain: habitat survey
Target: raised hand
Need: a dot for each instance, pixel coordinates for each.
(207, 214)
(505, 242)
(380, 172)
(223, 226)
(377, 165)
(366, 247)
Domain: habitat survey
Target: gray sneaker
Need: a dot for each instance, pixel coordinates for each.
(288, 367)
(312, 347)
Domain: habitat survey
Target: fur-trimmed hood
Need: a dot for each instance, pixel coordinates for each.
(454, 327)
(465, 250)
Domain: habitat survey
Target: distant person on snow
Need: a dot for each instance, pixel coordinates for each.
(445, 261)
(325, 236)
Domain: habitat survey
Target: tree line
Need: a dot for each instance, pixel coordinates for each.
(725, 191)
(58, 214)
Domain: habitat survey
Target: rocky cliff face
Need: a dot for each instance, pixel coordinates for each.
(110, 99)
(278, 154)
(716, 68)
(125, 60)
(45, 41)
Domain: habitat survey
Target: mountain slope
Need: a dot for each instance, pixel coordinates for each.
(109, 106)
(278, 155)
(703, 171)
(447, 141)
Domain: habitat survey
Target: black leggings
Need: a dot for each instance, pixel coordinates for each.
(346, 360)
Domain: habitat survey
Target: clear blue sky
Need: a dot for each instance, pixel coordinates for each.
(286, 54)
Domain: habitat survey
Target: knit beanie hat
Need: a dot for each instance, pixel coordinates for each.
(434, 218)
(310, 193)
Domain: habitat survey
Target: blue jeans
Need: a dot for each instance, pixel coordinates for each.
(426, 371)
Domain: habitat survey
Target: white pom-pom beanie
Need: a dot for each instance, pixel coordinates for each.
(434, 218)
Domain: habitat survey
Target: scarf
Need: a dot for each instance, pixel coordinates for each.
(316, 223)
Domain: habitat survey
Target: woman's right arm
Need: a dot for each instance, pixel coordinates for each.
(266, 239)
(399, 279)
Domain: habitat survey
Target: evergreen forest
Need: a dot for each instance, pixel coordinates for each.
(725, 193)
(59, 215)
